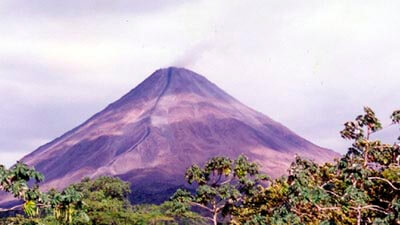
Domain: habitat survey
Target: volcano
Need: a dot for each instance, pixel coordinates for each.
(150, 136)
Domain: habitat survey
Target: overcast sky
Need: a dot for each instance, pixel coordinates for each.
(311, 65)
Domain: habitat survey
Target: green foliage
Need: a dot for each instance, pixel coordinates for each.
(223, 186)
(363, 187)
(67, 206)
(30, 208)
(360, 188)
(109, 187)
(395, 116)
(105, 200)
(15, 181)
(102, 201)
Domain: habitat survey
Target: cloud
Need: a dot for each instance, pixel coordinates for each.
(87, 8)
(310, 65)
(8, 158)
(30, 69)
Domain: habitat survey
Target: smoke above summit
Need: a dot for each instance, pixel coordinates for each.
(326, 59)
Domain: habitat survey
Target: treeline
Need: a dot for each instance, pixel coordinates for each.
(362, 187)
(100, 201)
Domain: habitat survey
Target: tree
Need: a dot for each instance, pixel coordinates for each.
(67, 206)
(106, 200)
(101, 201)
(16, 181)
(223, 186)
(362, 187)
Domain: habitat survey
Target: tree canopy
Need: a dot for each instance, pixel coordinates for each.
(362, 187)
(223, 185)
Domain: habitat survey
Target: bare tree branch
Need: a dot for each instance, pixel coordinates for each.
(201, 206)
(383, 179)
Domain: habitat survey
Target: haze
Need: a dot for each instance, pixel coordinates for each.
(309, 65)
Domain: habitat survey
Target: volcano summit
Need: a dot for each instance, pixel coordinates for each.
(173, 119)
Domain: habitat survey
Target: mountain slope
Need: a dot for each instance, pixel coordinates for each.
(152, 134)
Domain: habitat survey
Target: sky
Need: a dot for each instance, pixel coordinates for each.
(311, 65)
